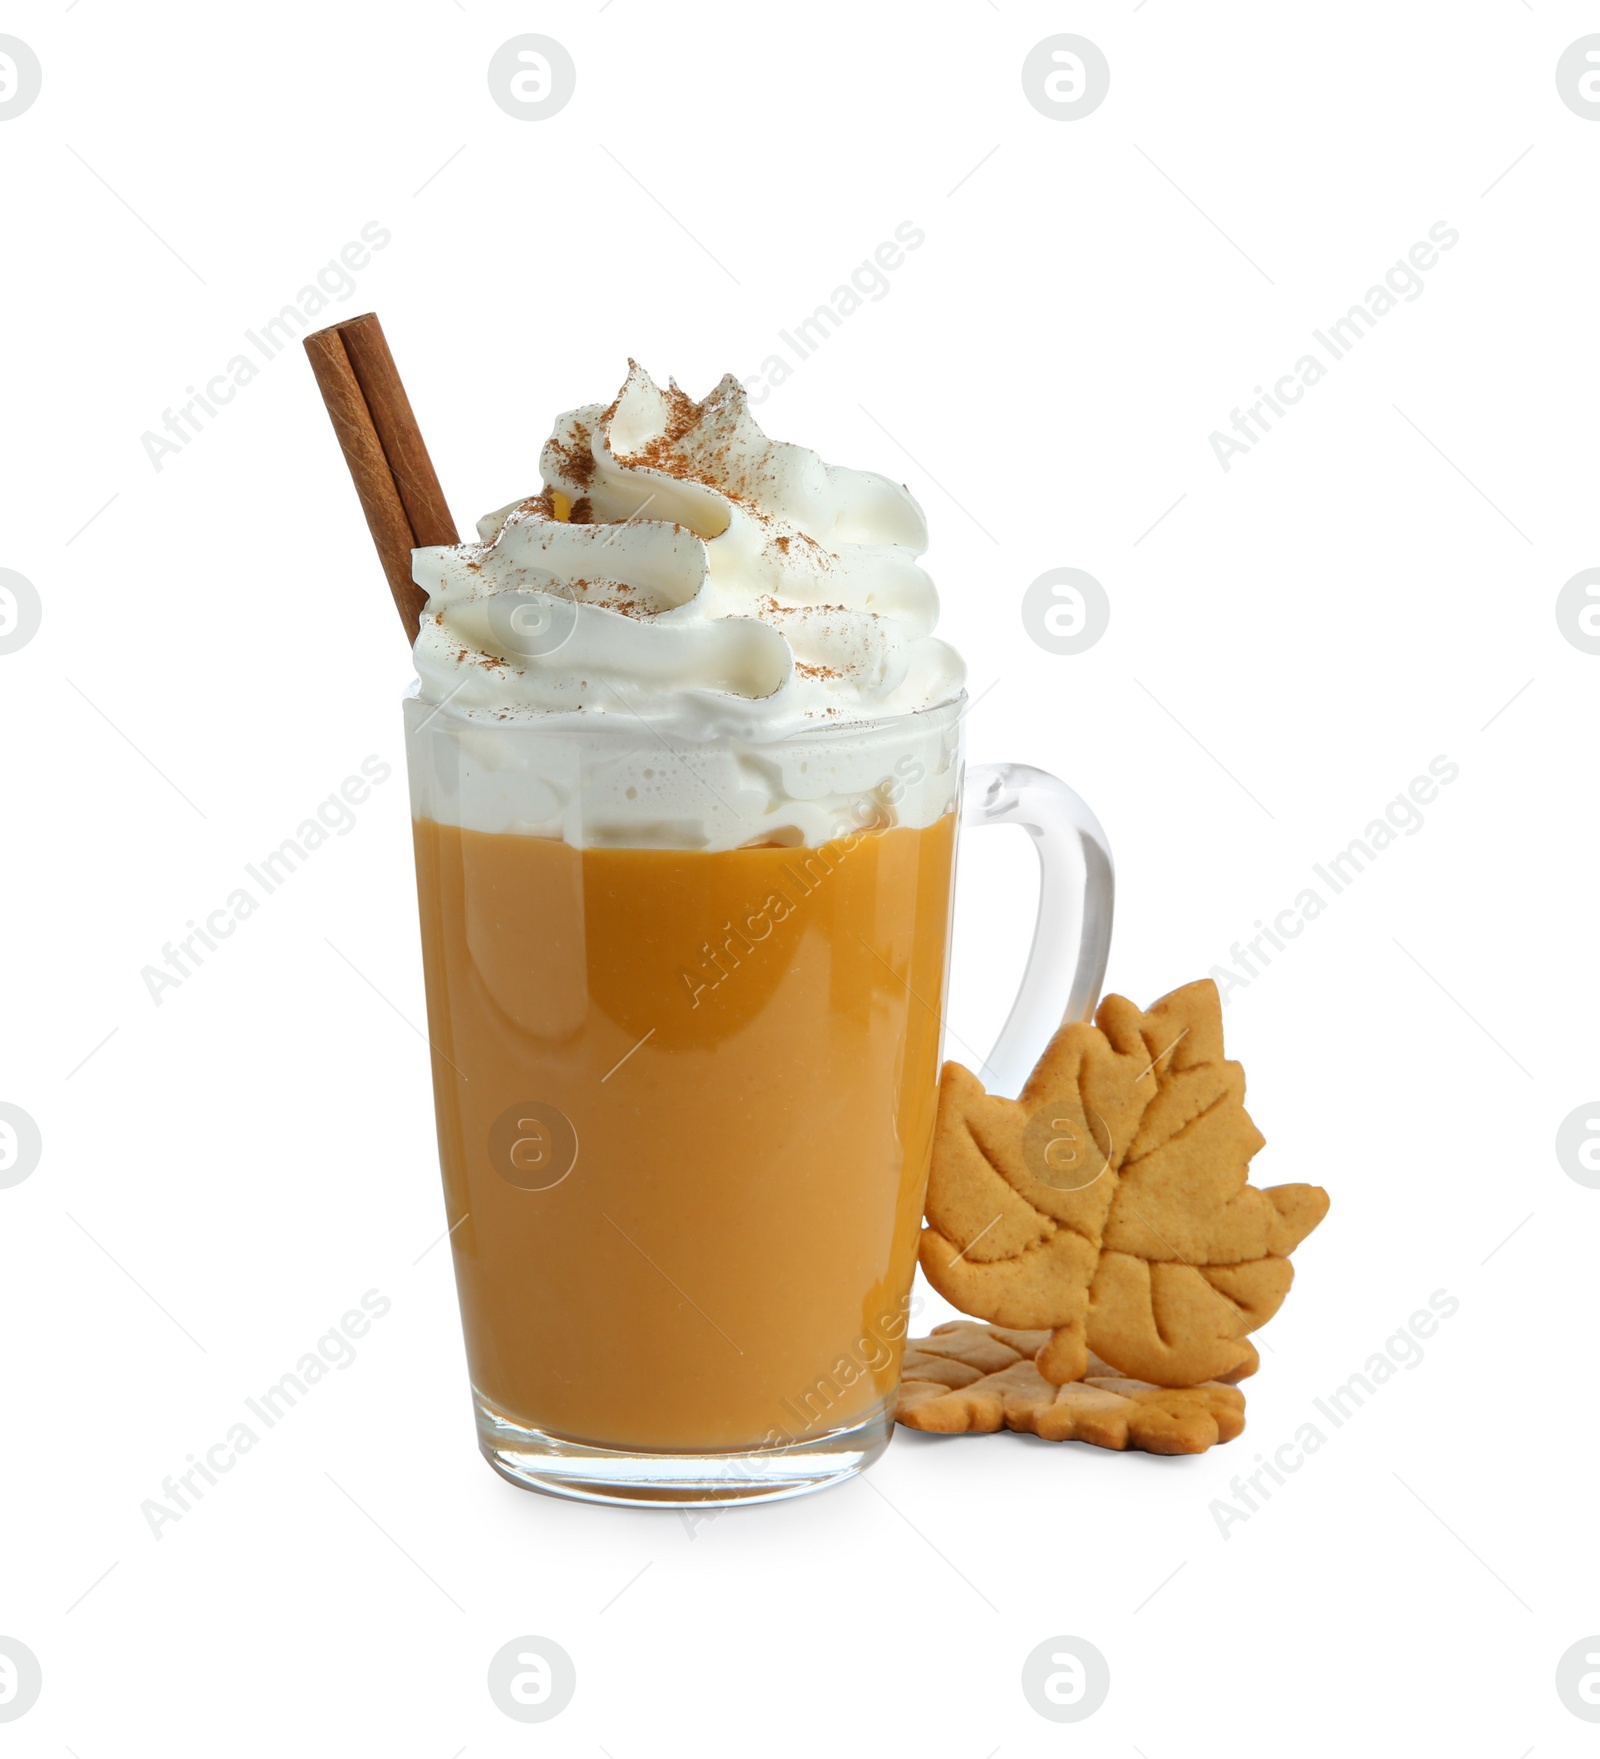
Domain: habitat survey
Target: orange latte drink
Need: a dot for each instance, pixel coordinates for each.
(715, 1250)
(685, 772)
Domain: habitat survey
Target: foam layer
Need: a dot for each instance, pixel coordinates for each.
(610, 782)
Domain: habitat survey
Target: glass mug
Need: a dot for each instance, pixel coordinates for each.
(686, 1096)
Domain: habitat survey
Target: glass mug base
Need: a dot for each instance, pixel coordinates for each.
(583, 1472)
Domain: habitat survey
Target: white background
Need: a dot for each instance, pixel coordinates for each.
(1296, 638)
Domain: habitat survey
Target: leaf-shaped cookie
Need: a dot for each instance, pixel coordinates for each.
(972, 1379)
(1109, 1203)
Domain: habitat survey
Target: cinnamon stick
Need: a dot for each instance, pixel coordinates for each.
(398, 432)
(383, 446)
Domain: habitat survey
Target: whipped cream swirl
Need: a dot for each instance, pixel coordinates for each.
(681, 566)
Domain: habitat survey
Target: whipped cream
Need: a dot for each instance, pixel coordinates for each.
(681, 568)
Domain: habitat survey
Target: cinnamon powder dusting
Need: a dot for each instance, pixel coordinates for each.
(662, 453)
(576, 456)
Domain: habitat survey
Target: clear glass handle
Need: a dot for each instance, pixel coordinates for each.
(1067, 962)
